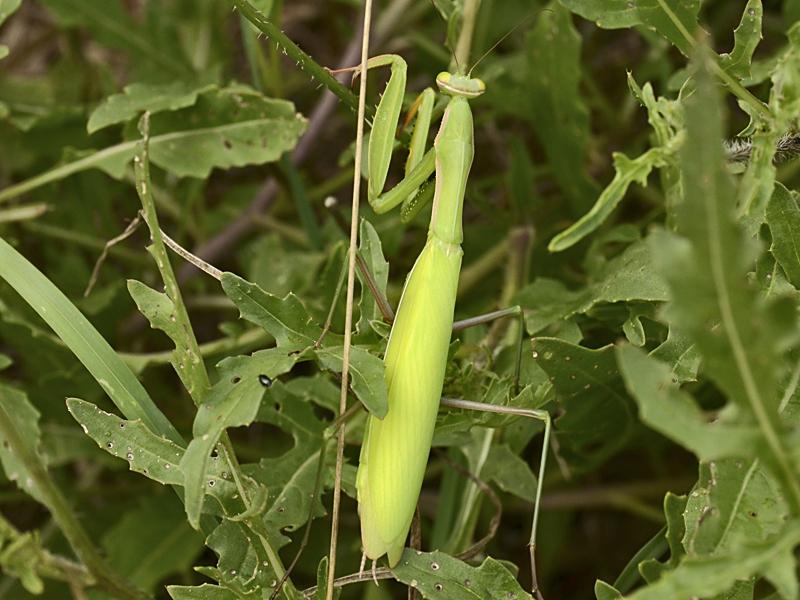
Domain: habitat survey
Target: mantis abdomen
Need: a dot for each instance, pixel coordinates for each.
(395, 449)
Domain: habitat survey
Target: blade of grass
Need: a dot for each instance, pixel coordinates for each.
(75, 330)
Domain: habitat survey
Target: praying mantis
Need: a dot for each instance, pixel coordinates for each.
(395, 449)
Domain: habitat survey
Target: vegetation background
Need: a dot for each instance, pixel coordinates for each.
(656, 267)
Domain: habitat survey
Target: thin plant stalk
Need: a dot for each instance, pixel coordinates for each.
(351, 277)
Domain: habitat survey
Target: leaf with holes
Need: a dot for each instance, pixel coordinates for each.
(438, 576)
(232, 402)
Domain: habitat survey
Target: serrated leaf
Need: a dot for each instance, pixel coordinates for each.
(551, 84)
(746, 39)
(83, 340)
(291, 477)
(783, 218)
(152, 541)
(758, 183)
(627, 171)
(628, 278)
(737, 335)
(139, 97)
(232, 402)
(438, 576)
(598, 415)
(706, 576)
(159, 310)
(286, 319)
(368, 376)
(675, 20)
(243, 565)
(231, 127)
(147, 453)
(665, 408)
(681, 354)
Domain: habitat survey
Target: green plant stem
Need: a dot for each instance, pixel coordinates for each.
(464, 44)
(57, 504)
(190, 365)
(293, 51)
(83, 240)
(474, 273)
(249, 340)
(256, 523)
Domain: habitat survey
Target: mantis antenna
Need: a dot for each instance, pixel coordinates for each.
(524, 23)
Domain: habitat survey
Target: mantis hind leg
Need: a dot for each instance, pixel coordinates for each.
(540, 415)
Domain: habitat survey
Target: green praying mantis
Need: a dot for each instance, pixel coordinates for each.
(395, 449)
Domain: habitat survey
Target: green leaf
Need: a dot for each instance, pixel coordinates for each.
(111, 24)
(368, 376)
(200, 592)
(83, 340)
(160, 311)
(738, 336)
(292, 476)
(758, 182)
(603, 591)
(140, 97)
(734, 503)
(242, 565)
(371, 251)
(22, 556)
(286, 319)
(608, 14)
(232, 402)
(598, 416)
(746, 39)
(152, 541)
(147, 453)
(6, 8)
(706, 576)
(25, 419)
(438, 576)
(510, 472)
(551, 84)
(668, 410)
(675, 20)
(628, 278)
(783, 218)
(627, 171)
(231, 127)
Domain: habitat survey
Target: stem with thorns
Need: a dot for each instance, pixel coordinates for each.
(293, 51)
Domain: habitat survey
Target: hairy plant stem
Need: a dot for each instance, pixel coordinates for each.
(293, 51)
(50, 495)
(188, 362)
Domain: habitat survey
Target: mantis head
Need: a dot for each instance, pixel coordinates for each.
(460, 85)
